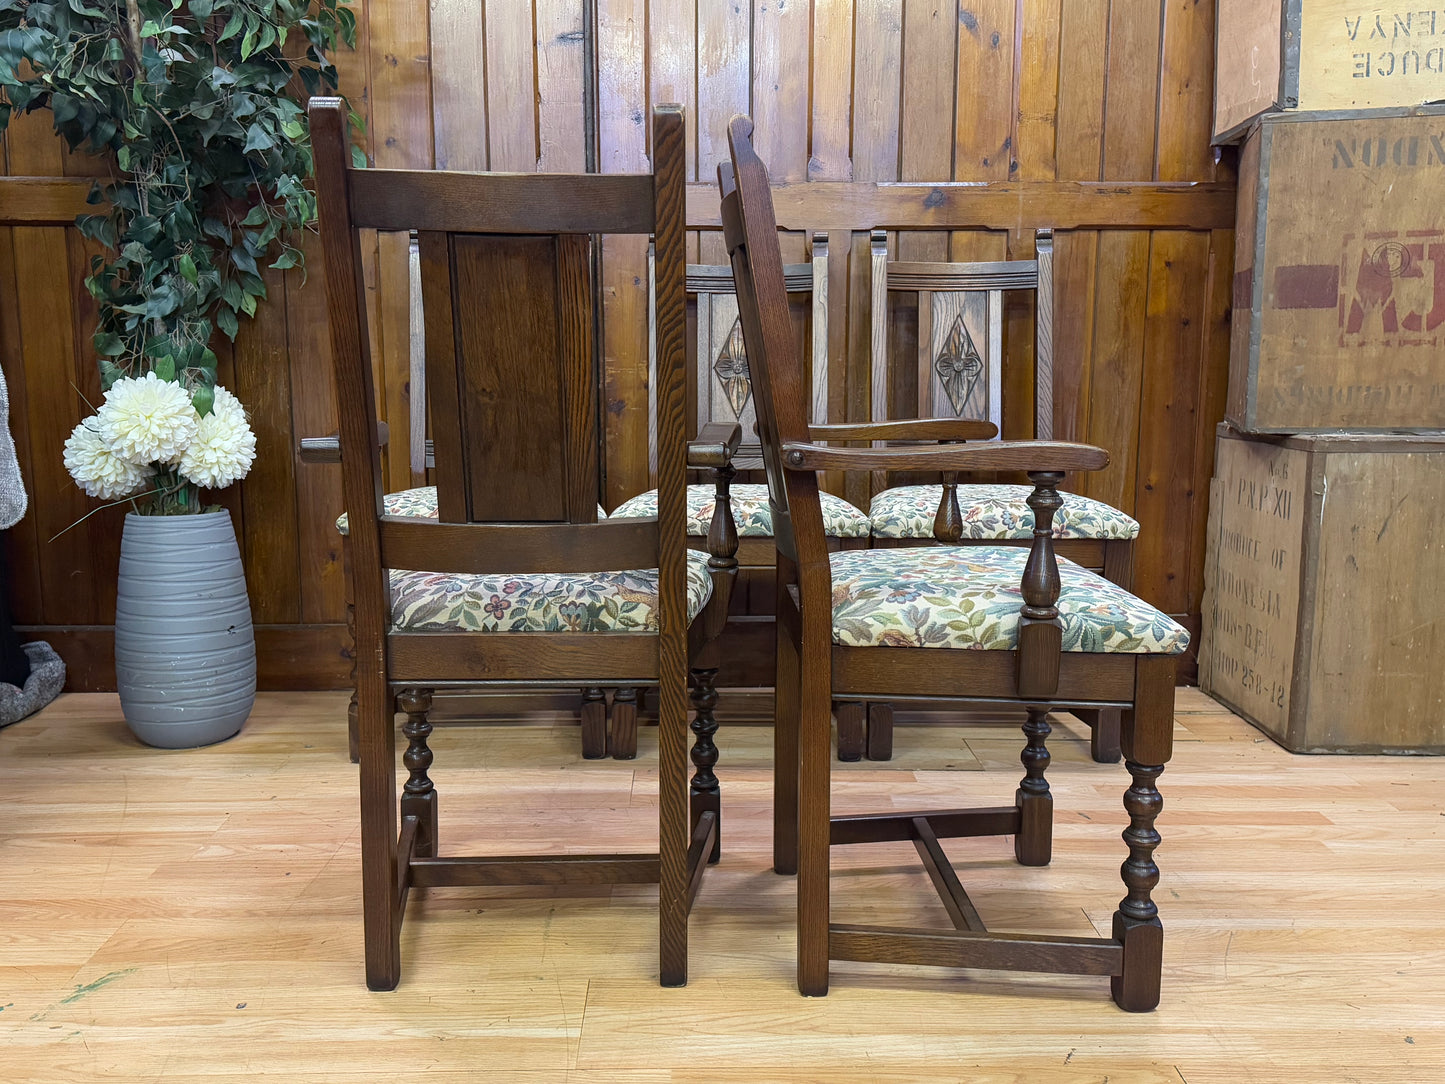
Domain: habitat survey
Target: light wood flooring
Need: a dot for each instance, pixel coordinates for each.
(194, 916)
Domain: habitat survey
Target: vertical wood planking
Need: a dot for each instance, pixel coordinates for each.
(1122, 272)
(1173, 343)
(877, 100)
(459, 84)
(1178, 321)
(925, 152)
(883, 90)
(269, 509)
(781, 38)
(1038, 105)
(401, 139)
(1079, 151)
(724, 47)
(68, 572)
(830, 156)
(511, 87)
(561, 108)
(622, 142)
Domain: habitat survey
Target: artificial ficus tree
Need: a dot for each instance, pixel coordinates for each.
(200, 103)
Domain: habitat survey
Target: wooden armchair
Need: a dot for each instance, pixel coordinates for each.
(956, 376)
(989, 623)
(524, 585)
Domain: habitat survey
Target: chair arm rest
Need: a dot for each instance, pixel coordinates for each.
(328, 449)
(716, 444)
(1024, 455)
(920, 429)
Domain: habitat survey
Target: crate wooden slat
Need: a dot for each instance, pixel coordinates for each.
(1323, 621)
(1323, 55)
(1339, 286)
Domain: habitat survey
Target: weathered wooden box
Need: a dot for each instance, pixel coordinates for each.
(1323, 617)
(1323, 54)
(1339, 284)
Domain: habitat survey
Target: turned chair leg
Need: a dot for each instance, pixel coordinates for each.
(1104, 724)
(624, 724)
(849, 714)
(880, 731)
(418, 795)
(1136, 922)
(1033, 846)
(706, 795)
(594, 723)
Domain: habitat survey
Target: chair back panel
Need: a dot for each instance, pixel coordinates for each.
(511, 376)
(960, 334)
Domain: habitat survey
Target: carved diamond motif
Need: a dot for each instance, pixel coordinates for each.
(731, 369)
(959, 365)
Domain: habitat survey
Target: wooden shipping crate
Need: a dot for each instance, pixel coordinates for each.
(1339, 283)
(1324, 589)
(1323, 54)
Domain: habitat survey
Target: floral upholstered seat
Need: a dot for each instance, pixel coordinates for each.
(419, 503)
(540, 602)
(751, 513)
(994, 512)
(531, 602)
(968, 597)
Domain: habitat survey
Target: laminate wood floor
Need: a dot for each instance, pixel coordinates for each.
(194, 916)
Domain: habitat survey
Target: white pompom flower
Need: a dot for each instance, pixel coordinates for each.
(147, 420)
(98, 470)
(224, 446)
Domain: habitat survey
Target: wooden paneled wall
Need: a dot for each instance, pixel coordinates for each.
(1032, 96)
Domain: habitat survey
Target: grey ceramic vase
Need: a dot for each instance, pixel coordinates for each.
(185, 654)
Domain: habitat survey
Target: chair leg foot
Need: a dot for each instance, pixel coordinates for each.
(880, 731)
(624, 724)
(849, 714)
(1104, 724)
(594, 723)
(1033, 846)
(418, 795)
(706, 795)
(1136, 922)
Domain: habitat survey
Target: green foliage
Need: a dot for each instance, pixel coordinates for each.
(200, 104)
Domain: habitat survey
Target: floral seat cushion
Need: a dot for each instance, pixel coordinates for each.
(751, 512)
(968, 597)
(541, 601)
(420, 503)
(994, 512)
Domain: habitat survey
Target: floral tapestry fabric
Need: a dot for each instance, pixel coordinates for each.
(540, 602)
(751, 512)
(413, 503)
(969, 597)
(994, 512)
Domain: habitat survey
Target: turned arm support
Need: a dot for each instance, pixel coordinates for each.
(328, 449)
(713, 450)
